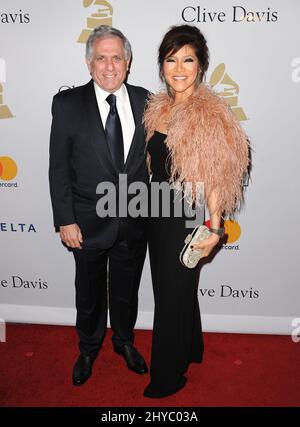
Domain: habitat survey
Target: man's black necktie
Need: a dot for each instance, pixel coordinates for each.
(114, 135)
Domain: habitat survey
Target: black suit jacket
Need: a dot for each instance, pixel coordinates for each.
(80, 159)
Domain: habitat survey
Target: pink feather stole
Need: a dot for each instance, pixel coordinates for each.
(206, 143)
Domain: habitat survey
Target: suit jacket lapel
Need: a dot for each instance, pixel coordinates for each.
(96, 129)
(138, 116)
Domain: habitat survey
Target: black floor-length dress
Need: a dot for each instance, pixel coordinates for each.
(177, 334)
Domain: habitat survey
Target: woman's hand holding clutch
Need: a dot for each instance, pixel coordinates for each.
(207, 244)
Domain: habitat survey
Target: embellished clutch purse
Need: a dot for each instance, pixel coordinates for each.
(190, 257)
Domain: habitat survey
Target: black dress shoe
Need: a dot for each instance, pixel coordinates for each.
(82, 369)
(133, 359)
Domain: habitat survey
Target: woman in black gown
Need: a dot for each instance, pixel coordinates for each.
(177, 125)
(177, 336)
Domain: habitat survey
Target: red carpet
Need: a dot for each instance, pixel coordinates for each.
(238, 370)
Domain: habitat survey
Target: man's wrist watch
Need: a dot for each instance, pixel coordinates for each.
(219, 231)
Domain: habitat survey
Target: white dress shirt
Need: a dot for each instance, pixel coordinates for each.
(124, 110)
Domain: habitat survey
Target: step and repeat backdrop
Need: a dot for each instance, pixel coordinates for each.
(252, 284)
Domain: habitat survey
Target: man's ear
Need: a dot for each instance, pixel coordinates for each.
(88, 63)
(128, 64)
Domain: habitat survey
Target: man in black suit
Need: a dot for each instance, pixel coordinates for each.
(97, 134)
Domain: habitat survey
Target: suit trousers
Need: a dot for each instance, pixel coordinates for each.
(108, 278)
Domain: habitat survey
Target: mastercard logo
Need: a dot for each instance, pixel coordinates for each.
(8, 168)
(232, 230)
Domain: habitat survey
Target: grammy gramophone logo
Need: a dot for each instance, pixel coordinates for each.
(103, 16)
(5, 112)
(228, 89)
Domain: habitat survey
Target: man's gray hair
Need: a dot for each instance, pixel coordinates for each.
(104, 31)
